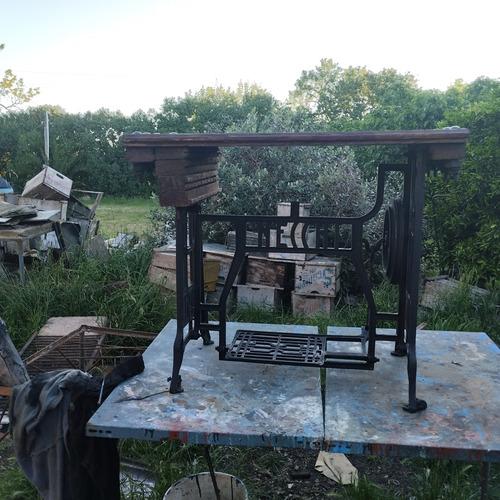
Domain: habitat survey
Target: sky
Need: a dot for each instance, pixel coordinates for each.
(126, 55)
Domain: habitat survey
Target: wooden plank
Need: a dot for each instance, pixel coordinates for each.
(187, 182)
(391, 137)
(140, 155)
(22, 232)
(446, 151)
(5, 391)
(187, 153)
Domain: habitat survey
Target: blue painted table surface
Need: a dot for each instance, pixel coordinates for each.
(224, 402)
(252, 404)
(458, 375)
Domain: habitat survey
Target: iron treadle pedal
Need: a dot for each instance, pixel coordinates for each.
(277, 348)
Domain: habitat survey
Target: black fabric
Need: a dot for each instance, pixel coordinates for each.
(48, 416)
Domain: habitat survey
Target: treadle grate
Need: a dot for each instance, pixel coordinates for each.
(277, 348)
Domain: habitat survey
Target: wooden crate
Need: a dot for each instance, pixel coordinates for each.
(305, 305)
(43, 204)
(259, 295)
(318, 276)
(264, 271)
(186, 176)
(48, 184)
(284, 209)
(225, 257)
(163, 271)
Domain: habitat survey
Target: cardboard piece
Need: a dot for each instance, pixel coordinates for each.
(336, 466)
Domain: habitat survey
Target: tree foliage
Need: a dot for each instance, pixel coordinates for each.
(196, 112)
(462, 220)
(12, 90)
(466, 214)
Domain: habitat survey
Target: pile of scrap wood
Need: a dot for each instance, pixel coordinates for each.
(47, 197)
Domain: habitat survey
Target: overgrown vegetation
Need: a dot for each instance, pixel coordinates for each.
(78, 285)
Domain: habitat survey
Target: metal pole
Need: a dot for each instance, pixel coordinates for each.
(46, 137)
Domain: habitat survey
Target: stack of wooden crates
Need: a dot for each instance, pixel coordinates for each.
(308, 283)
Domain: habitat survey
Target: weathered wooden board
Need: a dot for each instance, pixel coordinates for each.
(179, 167)
(12, 369)
(184, 198)
(188, 180)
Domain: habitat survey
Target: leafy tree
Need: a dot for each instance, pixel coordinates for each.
(196, 113)
(359, 99)
(12, 90)
(344, 97)
(466, 214)
(255, 179)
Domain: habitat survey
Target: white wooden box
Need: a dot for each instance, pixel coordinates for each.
(259, 295)
(285, 209)
(318, 276)
(306, 305)
(48, 184)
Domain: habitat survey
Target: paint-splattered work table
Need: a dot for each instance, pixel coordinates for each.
(250, 404)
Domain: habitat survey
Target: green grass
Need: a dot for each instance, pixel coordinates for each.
(78, 285)
(124, 215)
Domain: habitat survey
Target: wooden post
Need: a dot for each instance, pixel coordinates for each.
(12, 370)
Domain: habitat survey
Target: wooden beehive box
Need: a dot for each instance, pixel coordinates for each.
(259, 295)
(318, 276)
(305, 305)
(284, 209)
(268, 272)
(285, 239)
(214, 251)
(163, 271)
(185, 175)
(48, 184)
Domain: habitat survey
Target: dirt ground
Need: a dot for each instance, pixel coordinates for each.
(298, 478)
